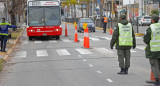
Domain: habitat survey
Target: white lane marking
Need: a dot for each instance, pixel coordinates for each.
(132, 51)
(141, 47)
(103, 50)
(109, 80)
(21, 54)
(62, 52)
(25, 42)
(37, 42)
(84, 60)
(41, 53)
(99, 72)
(138, 37)
(84, 51)
(52, 41)
(79, 56)
(81, 39)
(94, 39)
(66, 40)
(90, 65)
(107, 38)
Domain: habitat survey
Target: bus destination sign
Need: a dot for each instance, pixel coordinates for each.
(43, 3)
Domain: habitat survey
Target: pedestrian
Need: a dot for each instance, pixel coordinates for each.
(4, 33)
(152, 51)
(124, 39)
(104, 20)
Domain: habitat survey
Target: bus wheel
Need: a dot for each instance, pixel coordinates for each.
(57, 37)
(30, 38)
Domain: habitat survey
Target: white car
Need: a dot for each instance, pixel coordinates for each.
(145, 20)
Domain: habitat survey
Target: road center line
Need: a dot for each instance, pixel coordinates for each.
(90, 65)
(109, 80)
(99, 72)
(84, 60)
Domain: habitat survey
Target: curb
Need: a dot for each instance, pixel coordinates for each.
(139, 34)
(5, 57)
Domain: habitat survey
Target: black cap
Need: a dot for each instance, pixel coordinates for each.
(123, 17)
(155, 17)
(4, 18)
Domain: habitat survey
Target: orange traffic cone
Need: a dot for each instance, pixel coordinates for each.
(111, 30)
(84, 42)
(152, 79)
(66, 29)
(76, 35)
(87, 39)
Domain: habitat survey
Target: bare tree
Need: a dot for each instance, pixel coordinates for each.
(16, 7)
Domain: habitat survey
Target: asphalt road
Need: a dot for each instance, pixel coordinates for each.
(50, 62)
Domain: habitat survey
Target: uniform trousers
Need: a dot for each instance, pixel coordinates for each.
(124, 58)
(155, 66)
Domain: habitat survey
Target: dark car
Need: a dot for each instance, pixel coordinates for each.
(89, 21)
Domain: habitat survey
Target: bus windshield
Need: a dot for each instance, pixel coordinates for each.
(44, 16)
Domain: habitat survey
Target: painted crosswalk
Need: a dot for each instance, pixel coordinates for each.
(41, 53)
(141, 47)
(84, 51)
(21, 54)
(62, 52)
(80, 51)
(66, 40)
(52, 41)
(37, 42)
(92, 38)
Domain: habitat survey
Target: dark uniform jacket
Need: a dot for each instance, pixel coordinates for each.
(146, 39)
(115, 37)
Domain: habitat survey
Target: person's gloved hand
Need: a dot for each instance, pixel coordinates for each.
(134, 47)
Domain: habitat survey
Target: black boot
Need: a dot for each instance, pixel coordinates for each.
(122, 71)
(157, 82)
(126, 70)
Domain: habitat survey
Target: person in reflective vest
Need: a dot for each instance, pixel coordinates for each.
(104, 20)
(124, 39)
(4, 33)
(152, 51)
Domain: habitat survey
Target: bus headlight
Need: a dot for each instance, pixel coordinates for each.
(31, 30)
(57, 30)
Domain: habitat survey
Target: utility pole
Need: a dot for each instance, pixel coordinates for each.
(140, 7)
(143, 6)
(128, 10)
(112, 7)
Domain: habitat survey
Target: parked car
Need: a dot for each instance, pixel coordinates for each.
(145, 20)
(89, 21)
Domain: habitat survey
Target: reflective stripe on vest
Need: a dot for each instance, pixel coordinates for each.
(125, 35)
(155, 37)
(105, 19)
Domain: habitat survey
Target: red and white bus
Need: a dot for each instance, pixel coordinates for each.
(43, 18)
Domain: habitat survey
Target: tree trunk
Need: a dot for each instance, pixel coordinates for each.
(13, 19)
(101, 8)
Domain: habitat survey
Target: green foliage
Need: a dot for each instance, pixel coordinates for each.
(1, 61)
(155, 12)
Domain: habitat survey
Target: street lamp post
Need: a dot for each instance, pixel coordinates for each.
(78, 8)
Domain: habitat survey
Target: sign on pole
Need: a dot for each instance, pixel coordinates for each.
(128, 2)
